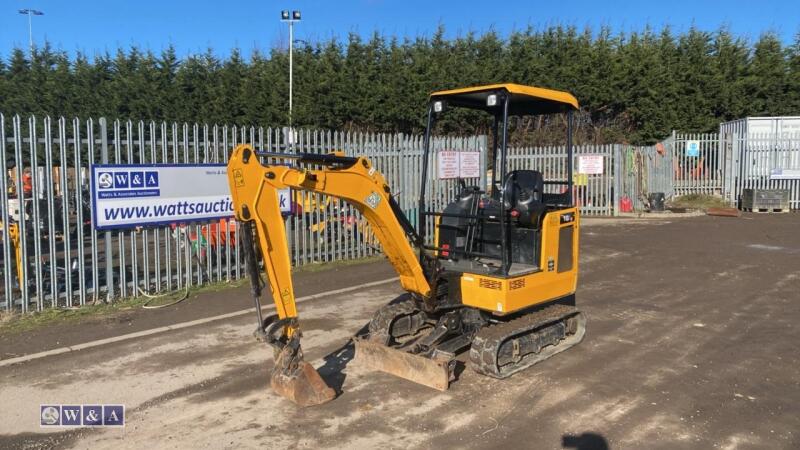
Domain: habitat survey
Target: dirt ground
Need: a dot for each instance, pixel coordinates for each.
(692, 343)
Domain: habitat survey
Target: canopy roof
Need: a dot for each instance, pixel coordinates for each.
(525, 100)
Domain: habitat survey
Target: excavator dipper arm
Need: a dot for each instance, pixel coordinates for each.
(255, 194)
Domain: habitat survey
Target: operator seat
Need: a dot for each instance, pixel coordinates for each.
(523, 191)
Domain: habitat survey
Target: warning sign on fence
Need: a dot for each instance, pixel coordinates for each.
(590, 164)
(452, 164)
(470, 164)
(448, 165)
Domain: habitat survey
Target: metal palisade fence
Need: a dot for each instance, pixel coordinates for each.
(594, 193)
(699, 163)
(622, 173)
(725, 164)
(640, 171)
(764, 161)
(53, 257)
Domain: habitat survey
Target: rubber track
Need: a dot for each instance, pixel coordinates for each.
(383, 318)
(487, 342)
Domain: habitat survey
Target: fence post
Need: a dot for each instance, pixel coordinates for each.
(727, 173)
(4, 216)
(107, 234)
(676, 191)
(617, 159)
(736, 170)
(483, 147)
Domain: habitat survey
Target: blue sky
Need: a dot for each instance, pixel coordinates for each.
(193, 26)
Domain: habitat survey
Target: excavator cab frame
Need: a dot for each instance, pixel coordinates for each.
(501, 101)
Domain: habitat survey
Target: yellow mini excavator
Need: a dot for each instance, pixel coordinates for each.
(497, 280)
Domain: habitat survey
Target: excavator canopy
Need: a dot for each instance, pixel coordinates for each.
(525, 100)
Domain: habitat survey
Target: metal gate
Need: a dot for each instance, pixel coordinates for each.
(765, 161)
(640, 171)
(701, 169)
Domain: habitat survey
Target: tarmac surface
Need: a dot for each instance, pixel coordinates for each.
(691, 342)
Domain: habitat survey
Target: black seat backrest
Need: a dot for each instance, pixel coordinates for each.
(523, 191)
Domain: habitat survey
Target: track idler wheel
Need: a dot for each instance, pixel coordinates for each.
(297, 380)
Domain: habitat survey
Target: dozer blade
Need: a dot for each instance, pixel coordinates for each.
(419, 369)
(299, 382)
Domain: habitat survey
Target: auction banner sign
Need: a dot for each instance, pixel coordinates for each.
(129, 196)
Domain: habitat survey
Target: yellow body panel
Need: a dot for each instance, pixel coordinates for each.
(505, 295)
(518, 89)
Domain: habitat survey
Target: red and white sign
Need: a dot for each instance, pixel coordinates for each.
(590, 164)
(470, 164)
(454, 164)
(448, 165)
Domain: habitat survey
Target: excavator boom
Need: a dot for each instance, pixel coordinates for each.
(255, 194)
(254, 191)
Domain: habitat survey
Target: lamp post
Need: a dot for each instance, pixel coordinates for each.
(290, 19)
(30, 13)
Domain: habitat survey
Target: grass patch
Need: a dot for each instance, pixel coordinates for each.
(698, 201)
(323, 266)
(15, 322)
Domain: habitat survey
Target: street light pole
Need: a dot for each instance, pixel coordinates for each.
(291, 65)
(30, 13)
(291, 19)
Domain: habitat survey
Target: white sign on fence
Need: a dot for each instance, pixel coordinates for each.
(590, 164)
(448, 164)
(469, 164)
(127, 196)
(784, 174)
(459, 164)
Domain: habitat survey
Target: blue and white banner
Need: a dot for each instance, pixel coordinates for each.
(128, 196)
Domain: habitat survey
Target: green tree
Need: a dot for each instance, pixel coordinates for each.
(793, 78)
(633, 86)
(766, 77)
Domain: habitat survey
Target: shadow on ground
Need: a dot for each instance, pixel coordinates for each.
(585, 441)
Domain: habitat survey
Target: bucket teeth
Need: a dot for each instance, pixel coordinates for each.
(298, 381)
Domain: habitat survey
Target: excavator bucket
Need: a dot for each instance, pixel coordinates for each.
(419, 369)
(299, 381)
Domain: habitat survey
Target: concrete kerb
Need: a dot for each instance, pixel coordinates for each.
(178, 326)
